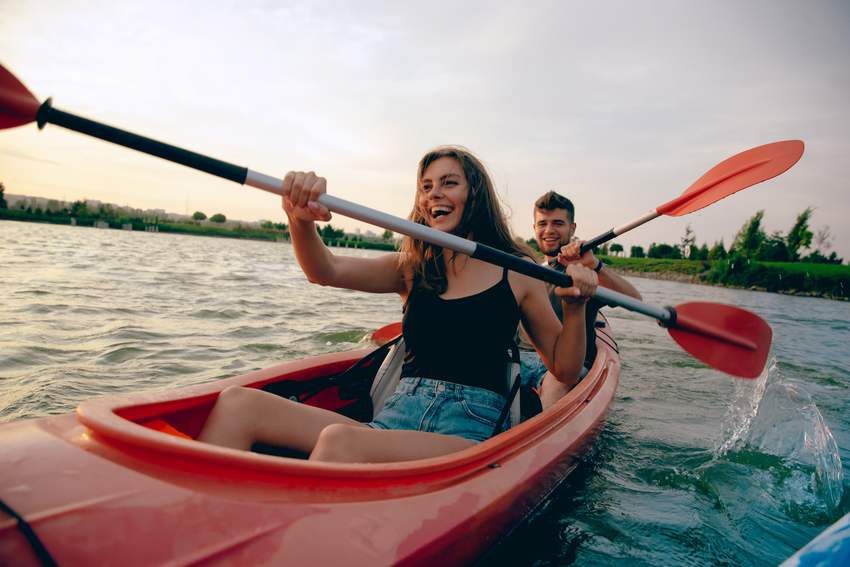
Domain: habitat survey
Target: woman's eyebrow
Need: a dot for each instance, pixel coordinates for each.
(442, 178)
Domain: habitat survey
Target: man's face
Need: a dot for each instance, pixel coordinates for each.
(552, 229)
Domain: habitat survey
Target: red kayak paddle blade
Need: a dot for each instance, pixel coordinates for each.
(738, 172)
(728, 338)
(18, 106)
(386, 333)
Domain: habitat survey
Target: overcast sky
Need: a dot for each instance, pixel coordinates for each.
(618, 105)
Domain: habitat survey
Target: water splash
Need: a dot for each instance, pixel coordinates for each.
(771, 417)
(743, 409)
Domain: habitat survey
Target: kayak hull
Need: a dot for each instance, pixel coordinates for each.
(99, 486)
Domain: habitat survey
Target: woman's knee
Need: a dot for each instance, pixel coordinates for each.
(229, 422)
(337, 442)
(235, 398)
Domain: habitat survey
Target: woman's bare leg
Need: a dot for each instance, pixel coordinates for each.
(244, 416)
(344, 443)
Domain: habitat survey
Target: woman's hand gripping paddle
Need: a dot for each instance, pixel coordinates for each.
(727, 177)
(727, 338)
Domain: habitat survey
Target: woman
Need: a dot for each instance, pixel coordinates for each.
(460, 315)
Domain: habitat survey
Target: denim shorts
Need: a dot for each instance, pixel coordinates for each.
(424, 404)
(531, 368)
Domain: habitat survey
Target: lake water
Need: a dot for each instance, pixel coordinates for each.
(692, 467)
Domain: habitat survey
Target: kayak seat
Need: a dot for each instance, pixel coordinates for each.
(526, 404)
(387, 377)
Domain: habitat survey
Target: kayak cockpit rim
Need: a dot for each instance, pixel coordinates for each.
(114, 420)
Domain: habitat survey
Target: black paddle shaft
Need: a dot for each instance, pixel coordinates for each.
(48, 114)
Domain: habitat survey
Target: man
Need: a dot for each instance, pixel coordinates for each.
(554, 227)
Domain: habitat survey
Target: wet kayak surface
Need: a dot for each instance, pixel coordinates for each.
(692, 467)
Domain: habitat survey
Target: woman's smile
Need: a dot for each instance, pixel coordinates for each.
(442, 194)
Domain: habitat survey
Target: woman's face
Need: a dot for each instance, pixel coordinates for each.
(442, 193)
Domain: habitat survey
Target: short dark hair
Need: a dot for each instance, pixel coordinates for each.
(551, 201)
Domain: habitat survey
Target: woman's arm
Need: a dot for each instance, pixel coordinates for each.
(561, 345)
(382, 274)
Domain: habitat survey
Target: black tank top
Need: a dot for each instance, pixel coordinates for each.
(463, 340)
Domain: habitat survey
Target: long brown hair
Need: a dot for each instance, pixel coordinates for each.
(482, 218)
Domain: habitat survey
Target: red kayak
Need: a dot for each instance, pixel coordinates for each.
(122, 481)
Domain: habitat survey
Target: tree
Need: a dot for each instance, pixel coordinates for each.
(616, 249)
(774, 249)
(823, 242)
(823, 239)
(388, 235)
(329, 232)
(3, 203)
(751, 237)
(603, 250)
(637, 252)
(688, 242)
(269, 225)
(799, 237)
(107, 211)
(218, 217)
(817, 258)
(533, 243)
(717, 252)
(700, 253)
(664, 251)
(79, 209)
(199, 216)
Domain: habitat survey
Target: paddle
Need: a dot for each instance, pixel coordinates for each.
(725, 337)
(727, 177)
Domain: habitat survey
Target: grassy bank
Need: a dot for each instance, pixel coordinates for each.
(688, 268)
(796, 278)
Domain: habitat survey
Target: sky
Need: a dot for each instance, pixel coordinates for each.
(618, 105)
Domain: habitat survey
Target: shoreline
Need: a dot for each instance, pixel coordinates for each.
(696, 280)
(240, 232)
(682, 271)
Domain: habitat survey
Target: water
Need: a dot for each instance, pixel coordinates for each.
(691, 468)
